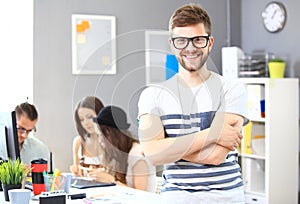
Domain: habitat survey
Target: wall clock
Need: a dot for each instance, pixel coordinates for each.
(274, 16)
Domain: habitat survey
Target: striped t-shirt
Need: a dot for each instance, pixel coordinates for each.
(187, 110)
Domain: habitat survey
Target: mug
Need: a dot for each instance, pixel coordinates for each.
(38, 167)
(19, 196)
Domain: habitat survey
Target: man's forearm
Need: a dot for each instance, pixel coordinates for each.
(212, 154)
(169, 150)
(161, 150)
(216, 153)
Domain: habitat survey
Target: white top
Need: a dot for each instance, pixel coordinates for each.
(135, 155)
(184, 111)
(95, 160)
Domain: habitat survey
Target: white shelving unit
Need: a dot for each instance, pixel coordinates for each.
(271, 175)
(157, 47)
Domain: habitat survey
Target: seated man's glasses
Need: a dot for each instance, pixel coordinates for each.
(24, 131)
(183, 42)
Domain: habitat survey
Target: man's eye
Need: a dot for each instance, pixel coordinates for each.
(199, 40)
(181, 40)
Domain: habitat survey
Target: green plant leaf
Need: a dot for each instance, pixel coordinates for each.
(13, 172)
(277, 59)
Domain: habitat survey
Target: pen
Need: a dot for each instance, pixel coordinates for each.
(51, 168)
(86, 201)
(46, 180)
(55, 174)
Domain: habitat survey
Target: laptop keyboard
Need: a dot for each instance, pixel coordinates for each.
(80, 182)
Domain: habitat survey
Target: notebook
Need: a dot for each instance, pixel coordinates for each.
(28, 183)
(83, 182)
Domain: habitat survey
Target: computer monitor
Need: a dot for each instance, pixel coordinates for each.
(9, 146)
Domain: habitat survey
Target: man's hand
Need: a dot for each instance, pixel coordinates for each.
(228, 128)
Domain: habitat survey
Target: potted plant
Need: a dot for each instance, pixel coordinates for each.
(276, 68)
(12, 174)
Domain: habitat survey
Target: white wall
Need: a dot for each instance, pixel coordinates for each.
(16, 53)
(56, 90)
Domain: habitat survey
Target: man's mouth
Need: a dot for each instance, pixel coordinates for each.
(191, 56)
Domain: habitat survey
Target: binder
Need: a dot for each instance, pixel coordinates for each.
(247, 138)
(255, 96)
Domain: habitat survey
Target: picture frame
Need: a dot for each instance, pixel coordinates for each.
(93, 44)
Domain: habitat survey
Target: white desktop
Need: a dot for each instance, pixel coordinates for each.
(110, 194)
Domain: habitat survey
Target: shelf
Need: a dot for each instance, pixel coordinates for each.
(259, 193)
(253, 156)
(257, 119)
(257, 80)
(157, 48)
(261, 162)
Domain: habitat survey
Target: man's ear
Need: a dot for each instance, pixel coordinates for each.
(171, 44)
(210, 43)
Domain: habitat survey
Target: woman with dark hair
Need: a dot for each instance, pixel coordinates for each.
(131, 167)
(87, 153)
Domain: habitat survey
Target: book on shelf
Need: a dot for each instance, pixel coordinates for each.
(255, 94)
(254, 139)
(247, 138)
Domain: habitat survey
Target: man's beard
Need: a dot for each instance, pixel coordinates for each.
(198, 66)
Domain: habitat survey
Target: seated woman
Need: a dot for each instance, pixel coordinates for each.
(131, 167)
(87, 152)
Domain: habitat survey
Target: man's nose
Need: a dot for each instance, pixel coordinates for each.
(190, 46)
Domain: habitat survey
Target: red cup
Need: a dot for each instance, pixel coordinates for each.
(38, 167)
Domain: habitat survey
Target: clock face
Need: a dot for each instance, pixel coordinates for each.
(274, 17)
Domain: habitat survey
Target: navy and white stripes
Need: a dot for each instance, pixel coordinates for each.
(184, 111)
(192, 177)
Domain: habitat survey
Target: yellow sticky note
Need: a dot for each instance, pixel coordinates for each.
(105, 60)
(81, 38)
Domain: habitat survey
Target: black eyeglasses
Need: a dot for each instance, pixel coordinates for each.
(24, 131)
(183, 42)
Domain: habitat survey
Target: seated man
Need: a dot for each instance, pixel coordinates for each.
(30, 147)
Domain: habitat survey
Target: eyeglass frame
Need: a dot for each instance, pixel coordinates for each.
(192, 40)
(24, 131)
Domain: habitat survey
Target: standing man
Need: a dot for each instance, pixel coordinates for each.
(31, 148)
(192, 122)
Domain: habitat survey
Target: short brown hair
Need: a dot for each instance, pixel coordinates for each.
(190, 14)
(26, 109)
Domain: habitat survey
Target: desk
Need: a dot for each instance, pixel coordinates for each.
(110, 194)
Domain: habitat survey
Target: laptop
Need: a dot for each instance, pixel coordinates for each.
(85, 182)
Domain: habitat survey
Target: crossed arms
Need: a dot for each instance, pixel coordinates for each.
(209, 146)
